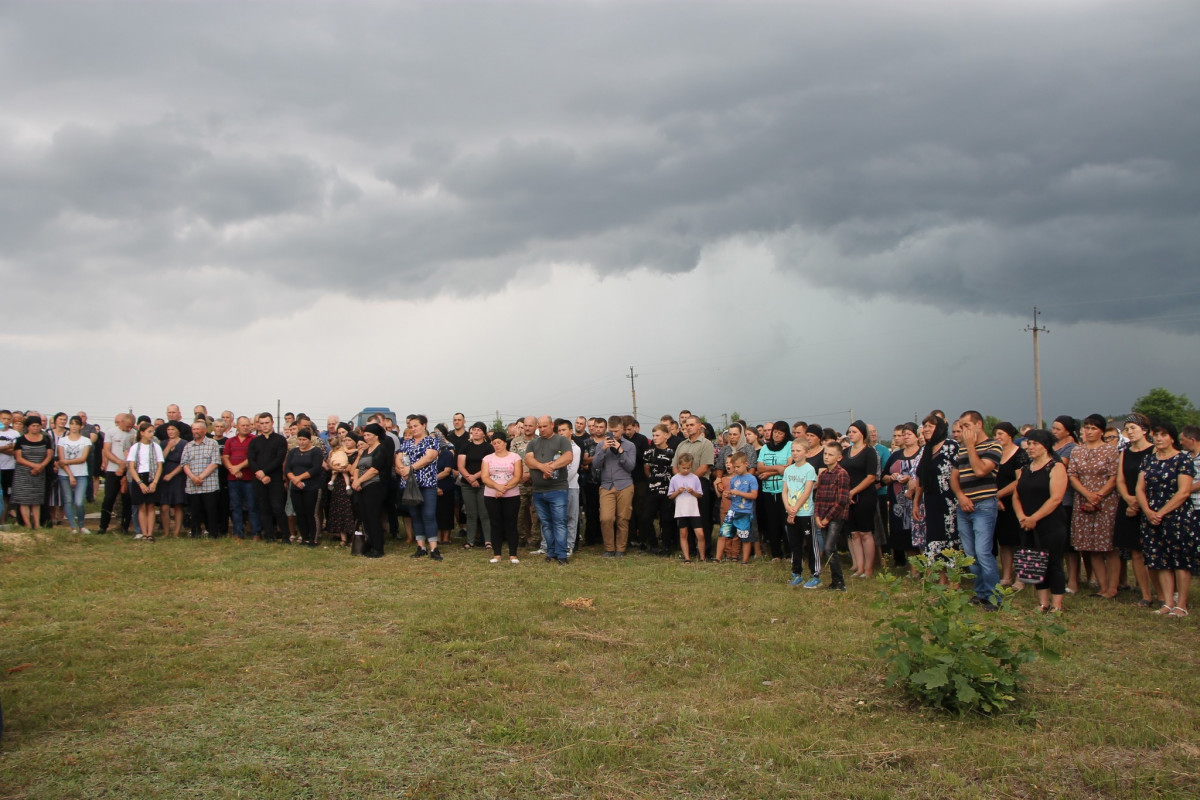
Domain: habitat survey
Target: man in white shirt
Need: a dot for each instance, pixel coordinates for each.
(116, 446)
(8, 462)
(563, 428)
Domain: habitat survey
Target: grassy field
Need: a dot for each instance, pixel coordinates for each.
(224, 669)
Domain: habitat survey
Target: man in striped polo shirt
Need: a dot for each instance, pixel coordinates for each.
(974, 483)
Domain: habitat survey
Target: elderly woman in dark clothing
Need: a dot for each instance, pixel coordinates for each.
(372, 467)
(935, 503)
(304, 473)
(1008, 529)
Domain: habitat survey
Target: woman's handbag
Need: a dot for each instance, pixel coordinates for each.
(359, 545)
(412, 491)
(1030, 564)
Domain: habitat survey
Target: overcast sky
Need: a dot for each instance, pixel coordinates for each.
(782, 209)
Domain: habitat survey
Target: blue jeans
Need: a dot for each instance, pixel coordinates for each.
(976, 529)
(572, 519)
(424, 517)
(241, 496)
(552, 511)
(830, 537)
(74, 500)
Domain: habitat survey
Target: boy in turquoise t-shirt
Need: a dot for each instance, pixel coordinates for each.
(799, 479)
(742, 492)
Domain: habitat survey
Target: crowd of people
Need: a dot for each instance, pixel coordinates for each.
(1085, 500)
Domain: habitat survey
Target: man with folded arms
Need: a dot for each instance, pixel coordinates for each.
(546, 457)
(266, 454)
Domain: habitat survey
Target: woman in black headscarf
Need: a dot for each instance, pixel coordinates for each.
(772, 461)
(372, 467)
(861, 461)
(935, 503)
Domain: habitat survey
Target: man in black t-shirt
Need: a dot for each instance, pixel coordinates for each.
(174, 420)
(458, 438)
(589, 484)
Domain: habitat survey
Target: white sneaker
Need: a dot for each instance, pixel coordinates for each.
(538, 552)
(137, 536)
(513, 560)
(495, 560)
(84, 531)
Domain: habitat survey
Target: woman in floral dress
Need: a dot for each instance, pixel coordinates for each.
(1169, 538)
(1093, 475)
(340, 520)
(935, 503)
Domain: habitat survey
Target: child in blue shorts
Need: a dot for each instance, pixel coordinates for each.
(742, 491)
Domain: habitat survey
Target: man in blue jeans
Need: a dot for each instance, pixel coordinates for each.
(235, 455)
(974, 482)
(546, 457)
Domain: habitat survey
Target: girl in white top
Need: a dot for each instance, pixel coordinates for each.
(145, 462)
(73, 451)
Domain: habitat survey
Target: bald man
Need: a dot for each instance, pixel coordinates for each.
(174, 420)
(547, 458)
(116, 444)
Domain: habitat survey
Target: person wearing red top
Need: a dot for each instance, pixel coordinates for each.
(236, 457)
(832, 500)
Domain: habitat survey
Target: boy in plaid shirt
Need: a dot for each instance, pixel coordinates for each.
(832, 499)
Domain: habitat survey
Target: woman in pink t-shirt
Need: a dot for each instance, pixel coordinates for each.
(501, 475)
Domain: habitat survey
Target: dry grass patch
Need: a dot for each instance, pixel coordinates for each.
(220, 669)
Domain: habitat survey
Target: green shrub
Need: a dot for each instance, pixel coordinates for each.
(950, 655)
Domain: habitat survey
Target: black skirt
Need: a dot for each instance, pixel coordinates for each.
(862, 513)
(137, 497)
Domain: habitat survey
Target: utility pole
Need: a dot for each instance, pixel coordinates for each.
(1037, 364)
(726, 418)
(633, 390)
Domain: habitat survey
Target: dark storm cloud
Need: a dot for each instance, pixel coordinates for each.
(974, 158)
